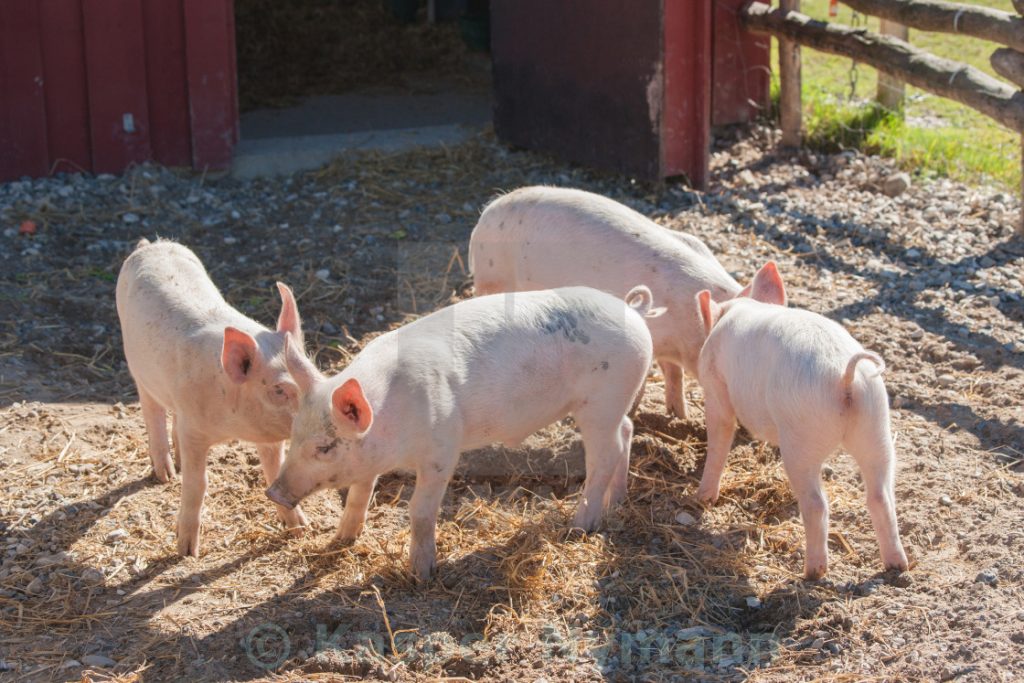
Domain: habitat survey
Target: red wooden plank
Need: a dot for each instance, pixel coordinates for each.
(686, 108)
(741, 71)
(211, 81)
(115, 63)
(23, 148)
(170, 130)
(67, 101)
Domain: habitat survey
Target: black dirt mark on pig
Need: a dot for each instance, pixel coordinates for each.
(329, 447)
(567, 323)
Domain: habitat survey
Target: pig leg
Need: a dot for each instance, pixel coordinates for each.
(616, 492)
(357, 501)
(605, 452)
(176, 449)
(155, 417)
(193, 489)
(675, 399)
(873, 450)
(431, 482)
(721, 425)
(803, 467)
(271, 457)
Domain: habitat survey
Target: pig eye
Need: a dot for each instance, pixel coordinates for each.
(280, 394)
(325, 452)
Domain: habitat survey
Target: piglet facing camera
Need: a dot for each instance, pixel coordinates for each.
(487, 370)
(221, 374)
(800, 381)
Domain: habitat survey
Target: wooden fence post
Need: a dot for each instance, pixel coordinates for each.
(891, 90)
(1019, 6)
(790, 106)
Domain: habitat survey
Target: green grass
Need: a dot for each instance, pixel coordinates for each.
(934, 136)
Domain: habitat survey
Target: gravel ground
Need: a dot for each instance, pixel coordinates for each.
(930, 278)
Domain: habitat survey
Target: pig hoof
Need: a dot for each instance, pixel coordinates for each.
(163, 470)
(814, 573)
(586, 523)
(424, 571)
(899, 566)
(707, 496)
(678, 408)
(163, 476)
(188, 547)
(294, 520)
(188, 542)
(342, 540)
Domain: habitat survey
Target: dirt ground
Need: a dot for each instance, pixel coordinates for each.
(91, 588)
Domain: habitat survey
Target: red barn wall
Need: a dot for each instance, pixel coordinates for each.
(97, 85)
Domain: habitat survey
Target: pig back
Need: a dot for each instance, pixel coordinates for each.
(504, 365)
(172, 317)
(555, 237)
(166, 278)
(784, 369)
(542, 237)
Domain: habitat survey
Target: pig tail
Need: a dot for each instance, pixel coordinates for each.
(851, 367)
(640, 300)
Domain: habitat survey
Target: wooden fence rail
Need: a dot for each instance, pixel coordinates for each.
(1009, 64)
(900, 60)
(948, 17)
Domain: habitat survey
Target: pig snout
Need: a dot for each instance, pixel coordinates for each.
(277, 493)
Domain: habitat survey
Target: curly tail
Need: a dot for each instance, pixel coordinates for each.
(851, 367)
(641, 300)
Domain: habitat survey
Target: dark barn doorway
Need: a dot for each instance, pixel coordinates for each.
(336, 67)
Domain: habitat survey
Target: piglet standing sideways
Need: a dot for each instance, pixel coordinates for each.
(491, 369)
(221, 374)
(798, 380)
(541, 237)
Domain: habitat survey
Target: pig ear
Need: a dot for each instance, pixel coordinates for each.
(744, 292)
(767, 286)
(288, 320)
(239, 354)
(299, 367)
(350, 406)
(710, 311)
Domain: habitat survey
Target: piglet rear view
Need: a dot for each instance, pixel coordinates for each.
(220, 373)
(798, 380)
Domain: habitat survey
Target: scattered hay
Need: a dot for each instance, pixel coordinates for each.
(76, 480)
(509, 566)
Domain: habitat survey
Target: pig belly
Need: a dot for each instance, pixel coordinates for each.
(514, 411)
(542, 390)
(802, 416)
(758, 422)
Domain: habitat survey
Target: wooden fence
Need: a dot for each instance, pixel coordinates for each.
(901, 61)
